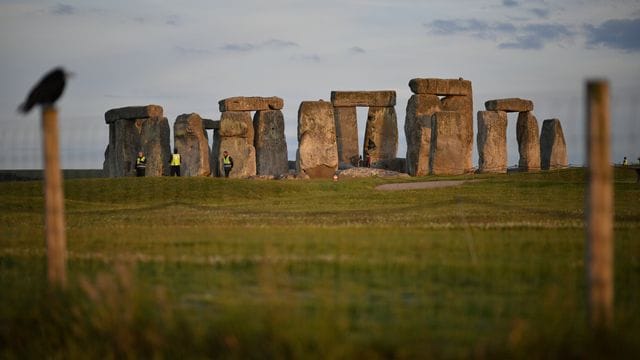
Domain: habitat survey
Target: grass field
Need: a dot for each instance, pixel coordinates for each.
(195, 267)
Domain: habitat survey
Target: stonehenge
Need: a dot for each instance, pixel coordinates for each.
(438, 130)
(133, 129)
(422, 110)
(381, 133)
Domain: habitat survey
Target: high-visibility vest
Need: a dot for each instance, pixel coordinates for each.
(141, 161)
(226, 160)
(175, 160)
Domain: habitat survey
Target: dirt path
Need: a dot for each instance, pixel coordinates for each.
(423, 185)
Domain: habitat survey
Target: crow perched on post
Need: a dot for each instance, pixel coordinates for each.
(47, 91)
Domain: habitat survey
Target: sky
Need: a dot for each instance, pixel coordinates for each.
(188, 55)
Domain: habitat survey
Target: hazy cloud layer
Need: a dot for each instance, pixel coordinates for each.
(63, 9)
(507, 35)
(622, 34)
(272, 44)
(356, 50)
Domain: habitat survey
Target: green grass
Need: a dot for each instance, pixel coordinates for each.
(193, 267)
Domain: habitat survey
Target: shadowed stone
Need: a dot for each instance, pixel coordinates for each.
(509, 105)
(192, 142)
(270, 143)
(553, 149)
(528, 141)
(253, 103)
(492, 142)
(133, 113)
(417, 130)
(363, 98)
(317, 155)
(381, 134)
(346, 134)
(440, 87)
(463, 105)
(215, 153)
(209, 124)
(446, 142)
(236, 137)
(127, 137)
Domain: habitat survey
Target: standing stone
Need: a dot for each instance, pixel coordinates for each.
(417, 130)
(317, 149)
(492, 141)
(347, 135)
(381, 134)
(236, 137)
(528, 141)
(127, 136)
(192, 142)
(446, 142)
(553, 149)
(463, 105)
(270, 143)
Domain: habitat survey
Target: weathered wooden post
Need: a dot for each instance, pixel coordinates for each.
(54, 200)
(599, 209)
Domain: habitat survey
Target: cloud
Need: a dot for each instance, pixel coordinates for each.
(357, 50)
(271, 44)
(63, 9)
(621, 34)
(173, 20)
(510, 3)
(191, 51)
(534, 37)
(508, 36)
(315, 58)
(541, 13)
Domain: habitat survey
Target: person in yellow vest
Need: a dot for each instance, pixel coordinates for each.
(175, 163)
(227, 163)
(141, 164)
(624, 161)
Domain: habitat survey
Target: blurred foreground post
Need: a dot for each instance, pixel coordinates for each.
(54, 200)
(599, 209)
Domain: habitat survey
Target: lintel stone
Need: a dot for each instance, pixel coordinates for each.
(440, 87)
(509, 105)
(382, 98)
(133, 113)
(252, 103)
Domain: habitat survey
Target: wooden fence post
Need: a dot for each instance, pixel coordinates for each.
(54, 200)
(599, 208)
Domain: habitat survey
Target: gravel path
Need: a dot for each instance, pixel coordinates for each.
(423, 185)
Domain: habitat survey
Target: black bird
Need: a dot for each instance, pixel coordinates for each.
(47, 91)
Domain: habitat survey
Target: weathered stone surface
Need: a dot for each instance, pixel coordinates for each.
(237, 124)
(509, 105)
(463, 105)
(317, 155)
(363, 98)
(237, 137)
(446, 142)
(192, 142)
(417, 130)
(528, 142)
(209, 124)
(441, 87)
(133, 112)
(128, 137)
(270, 143)
(243, 154)
(347, 135)
(553, 148)
(381, 134)
(252, 103)
(492, 142)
